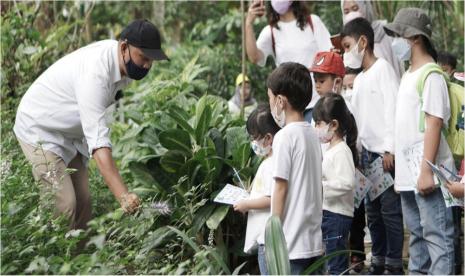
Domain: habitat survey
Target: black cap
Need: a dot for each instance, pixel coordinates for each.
(142, 34)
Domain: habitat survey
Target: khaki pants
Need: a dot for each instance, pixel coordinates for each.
(71, 190)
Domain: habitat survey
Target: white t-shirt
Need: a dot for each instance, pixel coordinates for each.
(373, 106)
(338, 180)
(435, 103)
(65, 107)
(297, 159)
(257, 218)
(296, 45)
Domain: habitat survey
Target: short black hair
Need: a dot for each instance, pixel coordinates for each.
(261, 122)
(358, 27)
(292, 80)
(447, 59)
(322, 75)
(352, 71)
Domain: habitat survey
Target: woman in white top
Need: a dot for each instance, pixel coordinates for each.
(292, 34)
(352, 9)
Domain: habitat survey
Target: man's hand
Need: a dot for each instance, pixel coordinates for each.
(107, 167)
(241, 206)
(388, 162)
(129, 202)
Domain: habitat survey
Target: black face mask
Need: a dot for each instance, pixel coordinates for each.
(134, 71)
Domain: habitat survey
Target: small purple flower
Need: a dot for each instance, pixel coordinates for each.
(161, 207)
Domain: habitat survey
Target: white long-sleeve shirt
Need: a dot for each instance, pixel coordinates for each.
(373, 104)
(64, 109)
(338, 180)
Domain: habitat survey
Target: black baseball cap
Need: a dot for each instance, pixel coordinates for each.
(142, 34)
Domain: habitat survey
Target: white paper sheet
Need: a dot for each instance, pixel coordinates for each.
(231, 194)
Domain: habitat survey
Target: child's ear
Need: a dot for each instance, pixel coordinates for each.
(334, 125)
(363, 41)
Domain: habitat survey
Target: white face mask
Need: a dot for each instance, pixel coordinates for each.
(280, 119)
(401, 48)
(324, 134)
(353, 59)
(351, 16)
(347, 94)
(259, 148)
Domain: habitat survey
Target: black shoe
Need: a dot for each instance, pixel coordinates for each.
(390, 270)
(375, 270)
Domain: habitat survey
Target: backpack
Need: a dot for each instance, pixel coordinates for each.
(454, 132)
(273, 44)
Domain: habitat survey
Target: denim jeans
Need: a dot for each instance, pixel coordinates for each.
(262, 260)
(336, 228)
(308, 115)
(297, 266)
(431, 244)
(384, 216)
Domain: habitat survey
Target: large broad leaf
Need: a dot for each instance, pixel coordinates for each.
(176, 139)
(172, 161)
(142, 175)
(218, 140)
(181, 117)
(241, 155)
(155, 239)
(201, 217)
(203, 118)
(217, 217)
(277, 256)
(235, 138)
(211, 164)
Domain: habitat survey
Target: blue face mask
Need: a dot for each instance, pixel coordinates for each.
(134, 71)
(401, 48)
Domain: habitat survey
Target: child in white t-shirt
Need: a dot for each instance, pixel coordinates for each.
(297, 191)
(334, 122)
(261, 128)
(426, 214)
(373, 103)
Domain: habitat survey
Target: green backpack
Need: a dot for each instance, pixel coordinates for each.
(454, 132)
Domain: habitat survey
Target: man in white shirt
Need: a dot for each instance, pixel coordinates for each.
(60, 121)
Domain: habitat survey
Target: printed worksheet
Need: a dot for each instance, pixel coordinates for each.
(414, 156)
(362, 186)
(231, 194)
(381, 180)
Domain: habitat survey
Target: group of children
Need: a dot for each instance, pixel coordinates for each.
(365, 115)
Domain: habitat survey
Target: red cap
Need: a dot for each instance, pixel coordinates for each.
(329, 63)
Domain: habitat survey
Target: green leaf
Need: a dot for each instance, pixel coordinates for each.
(321, 261)
(181, 117)
(219, 260)
(172, 161)
(218, 140)
(176, 139)
(277, 256)
(203, 118)
(155, 239)
(238, 269)
(142, 175)
(217, 216)
(201, 217)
